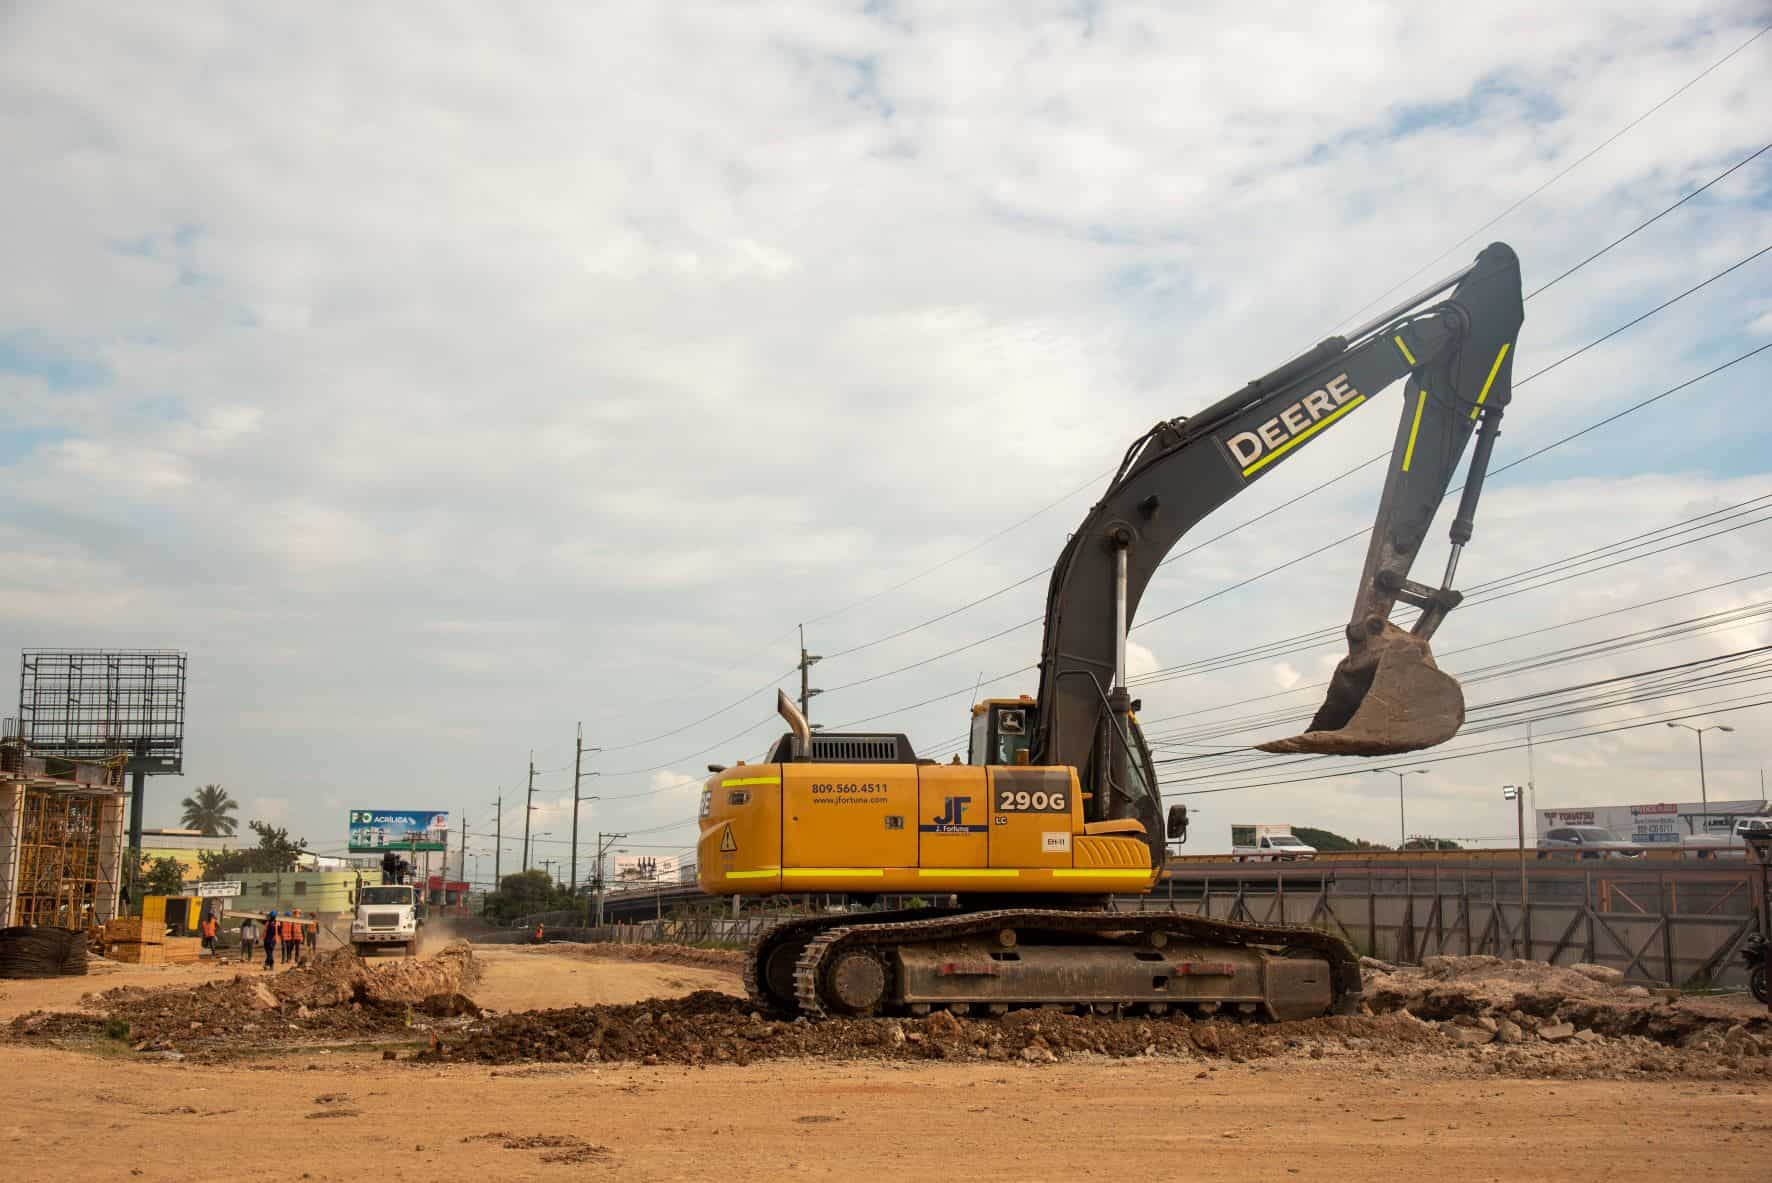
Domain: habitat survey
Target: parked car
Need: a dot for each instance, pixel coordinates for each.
(1752, 825)
(1586, 842)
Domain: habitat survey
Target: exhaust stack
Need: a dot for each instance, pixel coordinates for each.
(784, 706)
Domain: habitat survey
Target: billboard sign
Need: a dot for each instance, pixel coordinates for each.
(211, 890)
(647, 868)
(1662, 823)
(375, 830)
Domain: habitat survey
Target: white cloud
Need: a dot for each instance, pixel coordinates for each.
(1140, 660)
(442, 384)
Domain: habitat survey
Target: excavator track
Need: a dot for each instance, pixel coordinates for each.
(845, 961)
(787, 933)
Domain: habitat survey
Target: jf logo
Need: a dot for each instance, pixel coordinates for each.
(952, 819)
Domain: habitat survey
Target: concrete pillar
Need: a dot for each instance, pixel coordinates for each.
(12, 821)
(110, 858)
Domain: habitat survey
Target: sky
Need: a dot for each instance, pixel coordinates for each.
(443, 380)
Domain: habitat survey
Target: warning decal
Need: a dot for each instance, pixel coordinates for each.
(728, 844)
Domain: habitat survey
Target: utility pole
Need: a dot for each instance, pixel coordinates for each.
(604, 842)
(498, 837)
(529, 803)
(578, 753)
(464, 857)
(1532, 779)
(807, 661)
(1517, 795)
(1402, 821)
(547, 865)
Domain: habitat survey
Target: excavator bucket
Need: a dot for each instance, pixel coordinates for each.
(1386, 696)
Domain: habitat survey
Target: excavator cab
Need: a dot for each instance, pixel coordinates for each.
(1002, 731)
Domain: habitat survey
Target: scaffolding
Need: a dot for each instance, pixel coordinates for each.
(61, 841)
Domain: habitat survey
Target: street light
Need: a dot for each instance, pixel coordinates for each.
(1402, 825)
(1703, 789)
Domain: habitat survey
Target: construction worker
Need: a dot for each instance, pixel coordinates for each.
(538, 937)
(206, 930)
(286, 934)
(248, 938)
(311, 937)
(271, 939)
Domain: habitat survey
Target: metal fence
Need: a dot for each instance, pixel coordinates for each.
(1660, 927)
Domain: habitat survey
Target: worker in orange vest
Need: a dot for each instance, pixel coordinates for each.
(207, 930)
(295, 936)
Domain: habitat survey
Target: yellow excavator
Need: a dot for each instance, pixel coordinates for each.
(1057, 809)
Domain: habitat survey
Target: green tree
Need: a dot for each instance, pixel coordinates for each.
(161, 876)
(1431, 844)
(1330, 840)
(275, 851)
(210, 810)
(526, 893)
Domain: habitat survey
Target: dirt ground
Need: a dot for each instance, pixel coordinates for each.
(1310, 1104)
(105, 1120)
(520, 977)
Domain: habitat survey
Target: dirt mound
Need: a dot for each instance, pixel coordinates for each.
(707, 1027)
(1559, 1020)
(340, 976)
(338, 998)
(728, 959)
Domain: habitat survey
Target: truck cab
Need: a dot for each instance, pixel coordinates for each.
(1264, 844)
(385, 915)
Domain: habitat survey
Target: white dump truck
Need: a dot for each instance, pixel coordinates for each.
(385, 916)
(1260, 844)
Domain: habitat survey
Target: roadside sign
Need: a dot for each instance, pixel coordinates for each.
(220, 890)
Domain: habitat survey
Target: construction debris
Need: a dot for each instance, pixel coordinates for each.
(339, 998)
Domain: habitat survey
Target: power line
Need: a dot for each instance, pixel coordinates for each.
(1579, 161)
(1157, 741)
(1361, 532)
(1714, 709)
(1632, 233)
(1723, 620)
(1502, 587)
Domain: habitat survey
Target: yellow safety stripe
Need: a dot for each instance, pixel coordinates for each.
(967, 872)
(833, 873)
(1304, 435)
(1407, 356)
(1414, 428)
(1490, 380)
(1112, 872)
(766, 873)
(750, 780)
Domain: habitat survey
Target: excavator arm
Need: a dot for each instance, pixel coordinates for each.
(1456, 353)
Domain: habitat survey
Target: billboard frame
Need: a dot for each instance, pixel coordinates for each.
(103, 704)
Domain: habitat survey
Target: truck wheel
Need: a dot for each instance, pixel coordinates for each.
(359, 950)
(1756, 984)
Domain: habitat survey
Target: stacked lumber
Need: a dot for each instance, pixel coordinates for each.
(136, 953)
(182, 950)
(136, 940)
(135, 930)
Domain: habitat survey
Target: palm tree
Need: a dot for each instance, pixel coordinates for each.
(210, 811)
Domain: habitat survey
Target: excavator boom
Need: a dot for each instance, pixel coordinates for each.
(1387, 696)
